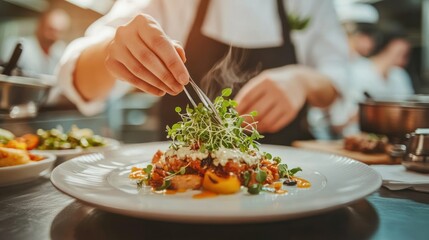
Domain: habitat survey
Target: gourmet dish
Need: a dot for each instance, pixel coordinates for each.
(54, 139)
(14, 150)
(12, 157)
(218, 157)
(12, 154)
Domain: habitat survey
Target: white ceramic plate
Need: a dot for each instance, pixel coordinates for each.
(102, 181)
(110, 145)
(26, 172)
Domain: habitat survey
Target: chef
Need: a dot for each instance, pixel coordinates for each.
(294, 51)
(42, 50)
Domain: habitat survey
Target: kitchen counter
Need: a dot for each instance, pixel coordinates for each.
(37, 210)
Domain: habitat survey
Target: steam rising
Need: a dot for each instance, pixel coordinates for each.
(228, 73)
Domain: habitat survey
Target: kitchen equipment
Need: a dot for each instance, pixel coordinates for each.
(394, 117)
(20, 97)
(13, 59)
(204, 99)
(417, 151)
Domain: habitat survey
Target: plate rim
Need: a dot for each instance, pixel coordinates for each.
(49, 159)
(27, 172)
(180, 217)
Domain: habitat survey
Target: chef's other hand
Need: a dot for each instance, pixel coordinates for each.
(143, 55)
(276, 94)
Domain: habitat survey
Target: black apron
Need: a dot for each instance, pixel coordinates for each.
(203, 53)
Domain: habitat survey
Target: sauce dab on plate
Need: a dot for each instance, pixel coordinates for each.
(170, 191)
(275, 187)
(302, 183)
(204, 194)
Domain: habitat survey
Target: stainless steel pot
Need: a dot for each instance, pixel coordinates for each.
(394, 118)
(21, 96)
(416, 152)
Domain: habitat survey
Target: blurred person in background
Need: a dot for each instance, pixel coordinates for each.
(296, 47)
(389, 61)
(359, 21)
(42, 50)
(377, 61)
(382, 75)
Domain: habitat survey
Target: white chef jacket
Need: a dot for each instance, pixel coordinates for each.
(249, 24)
(367, 78)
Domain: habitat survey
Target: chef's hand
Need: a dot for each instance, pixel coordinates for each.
(276, 94)
(142, 54)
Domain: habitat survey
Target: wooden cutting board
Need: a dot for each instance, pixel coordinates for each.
(336, 147)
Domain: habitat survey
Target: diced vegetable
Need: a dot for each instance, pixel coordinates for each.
(56, 139)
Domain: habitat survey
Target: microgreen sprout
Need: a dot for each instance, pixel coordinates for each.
(284, 171)
(164, 185)
(198, 129)
(260, 177)
(146, 177)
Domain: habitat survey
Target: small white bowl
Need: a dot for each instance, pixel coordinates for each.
(27, 172)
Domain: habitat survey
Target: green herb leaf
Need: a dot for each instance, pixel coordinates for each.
(254, 189)
(296, 22)
(178, 109)
(164, 186)
(148, 171)
(182, 170)
(246, 176)
(283, 170)
(253, 113)
(278, 160)
(293, 171)
(226, 92)
(261, 176)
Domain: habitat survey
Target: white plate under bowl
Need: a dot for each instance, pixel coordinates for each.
(101, 180)
(26, 172)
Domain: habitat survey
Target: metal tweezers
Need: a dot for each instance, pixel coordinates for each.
(204, 99)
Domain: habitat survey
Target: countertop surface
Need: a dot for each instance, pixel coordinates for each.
(37, 210)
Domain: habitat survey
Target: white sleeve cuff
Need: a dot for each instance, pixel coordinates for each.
(65, 75)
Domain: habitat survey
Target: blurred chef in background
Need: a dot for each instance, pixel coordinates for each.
(296, 48)
(42, 50)
(359, 22)
(377, 59)
(389, 61)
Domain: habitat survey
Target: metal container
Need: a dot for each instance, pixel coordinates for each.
(21, 97)
(417, 151)
(394, 118)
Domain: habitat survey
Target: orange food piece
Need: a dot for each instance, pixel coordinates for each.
(16, 144)
(157, 156)
(216, 184)
(35, 157)
(31, 140)
(12, 157)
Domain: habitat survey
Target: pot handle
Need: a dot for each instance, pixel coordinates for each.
(397, 151)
